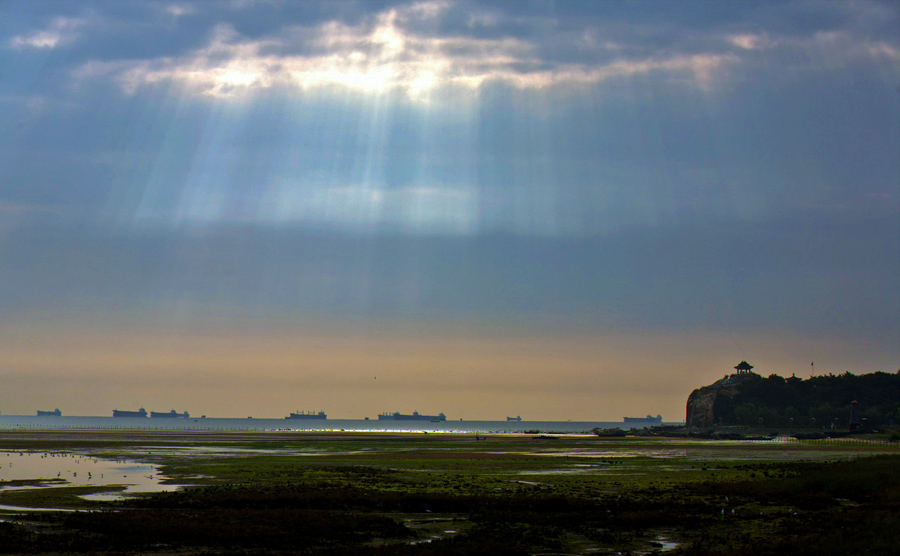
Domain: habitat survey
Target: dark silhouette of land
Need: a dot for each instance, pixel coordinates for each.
(823, 403)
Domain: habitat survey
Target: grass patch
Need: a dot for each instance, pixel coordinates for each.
(55, 497)
(323, 494)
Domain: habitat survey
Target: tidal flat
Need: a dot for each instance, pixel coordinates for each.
(263, 493)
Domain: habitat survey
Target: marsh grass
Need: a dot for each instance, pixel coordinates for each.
(324, 494)
(56, 496)
(30, 483)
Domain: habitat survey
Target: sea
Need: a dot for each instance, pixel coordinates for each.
(24, 422)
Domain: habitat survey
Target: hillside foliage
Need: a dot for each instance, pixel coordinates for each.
(820, 402)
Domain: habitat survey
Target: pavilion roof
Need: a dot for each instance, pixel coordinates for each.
(743, 366)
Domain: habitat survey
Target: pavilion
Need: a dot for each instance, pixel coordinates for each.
(743, 367)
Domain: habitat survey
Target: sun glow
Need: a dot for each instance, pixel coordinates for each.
(383, 55)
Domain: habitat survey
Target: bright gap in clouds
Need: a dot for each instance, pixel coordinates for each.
(368, 72)
(382, 55)
(396, 122)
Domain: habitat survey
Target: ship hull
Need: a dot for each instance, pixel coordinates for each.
(169, 415)
(307, 416)
(647, 419)
(414, 417)
(118, 413)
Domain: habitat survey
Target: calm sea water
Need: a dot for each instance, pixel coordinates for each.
(353, 425)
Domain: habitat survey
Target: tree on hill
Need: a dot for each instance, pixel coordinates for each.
(817, 402)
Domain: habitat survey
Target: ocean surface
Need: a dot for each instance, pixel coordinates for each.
(349, 425)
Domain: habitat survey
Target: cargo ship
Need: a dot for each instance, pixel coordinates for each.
(307, 415)
(396, 416)
(139, 413)
(169, 414)
(647, 419)
(54, 413)
(516, 418)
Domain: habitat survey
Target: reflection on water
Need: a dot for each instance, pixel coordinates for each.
(56, 469)
(4, 507)
(661, 544)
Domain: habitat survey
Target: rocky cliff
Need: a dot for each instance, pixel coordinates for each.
(702, 401)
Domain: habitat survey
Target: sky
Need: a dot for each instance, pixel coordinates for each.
(560, 210)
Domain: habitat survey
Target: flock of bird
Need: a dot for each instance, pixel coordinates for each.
(77, 459)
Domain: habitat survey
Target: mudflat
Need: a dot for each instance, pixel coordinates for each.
(279, 492)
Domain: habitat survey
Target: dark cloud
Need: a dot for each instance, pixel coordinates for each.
(819, 277)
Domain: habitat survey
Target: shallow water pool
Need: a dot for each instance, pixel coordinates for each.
(62, 469)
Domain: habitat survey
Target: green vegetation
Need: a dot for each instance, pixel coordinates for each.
(419, 495)
(815, 402)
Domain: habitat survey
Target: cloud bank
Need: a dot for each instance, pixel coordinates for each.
(386, 53)
(61, 31)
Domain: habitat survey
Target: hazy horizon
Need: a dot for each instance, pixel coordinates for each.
(576, 210)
